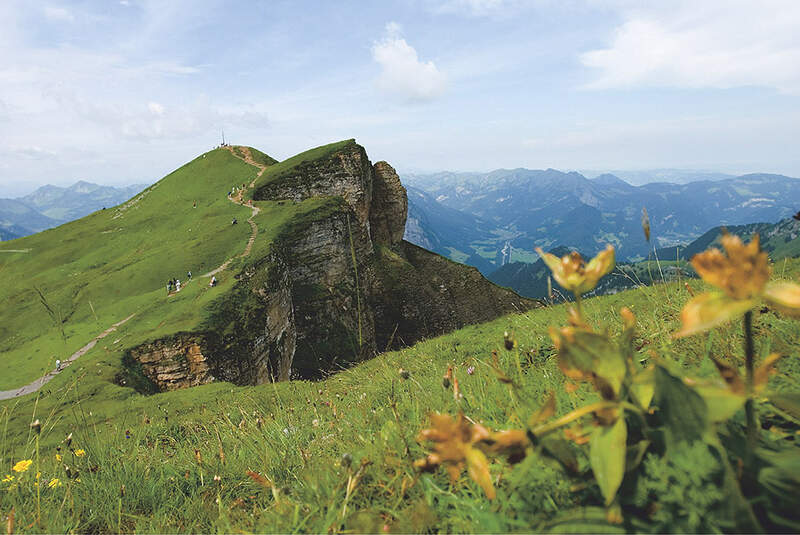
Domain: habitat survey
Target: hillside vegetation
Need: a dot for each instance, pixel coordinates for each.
(72, 282)
(338, 455)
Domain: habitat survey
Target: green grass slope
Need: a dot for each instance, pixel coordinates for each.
(102, 268)
(337, 455)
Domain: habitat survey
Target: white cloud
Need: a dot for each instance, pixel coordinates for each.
(155, 108)
(402, 73)
(709, 44)
(472, 7)
(58, 14)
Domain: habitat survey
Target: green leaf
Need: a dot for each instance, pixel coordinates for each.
(560, 450)
(635, 454)
(643, 387)
(721, 403)
(581, 520)
(594, 353)
(710, 310)
(682, 411)
(607, 455)
(789, 402)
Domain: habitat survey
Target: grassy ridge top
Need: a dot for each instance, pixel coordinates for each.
(100, 269)
(290, 165)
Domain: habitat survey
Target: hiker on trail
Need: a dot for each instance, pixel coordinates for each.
(58, 365)
(234, 221)
(169, 286)
(213, 281)
(194, 205)
(177, 285)
(189, 275)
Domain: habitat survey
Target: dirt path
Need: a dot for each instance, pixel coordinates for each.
(239, 199)
(40, 382)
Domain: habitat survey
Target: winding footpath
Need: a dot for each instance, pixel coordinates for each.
(40, 382)
(238, 199)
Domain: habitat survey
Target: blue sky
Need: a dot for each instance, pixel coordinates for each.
(118, 92)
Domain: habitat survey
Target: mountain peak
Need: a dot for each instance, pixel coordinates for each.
(607, 179)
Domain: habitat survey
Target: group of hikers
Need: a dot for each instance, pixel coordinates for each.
(174, 285)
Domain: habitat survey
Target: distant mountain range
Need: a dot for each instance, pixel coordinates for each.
(503, 215)
(674, 176)
(780, 240)
(50, 206)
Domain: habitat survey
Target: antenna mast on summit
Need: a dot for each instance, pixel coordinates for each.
(223, 137)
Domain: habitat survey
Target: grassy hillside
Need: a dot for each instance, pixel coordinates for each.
(337, 455)
(71, 283)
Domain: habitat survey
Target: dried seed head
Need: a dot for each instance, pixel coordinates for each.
(508, 341)
(404, 374)
(447, 377)
(122, 491)
(37, 426)
(347, 460)
(217, 479)
(68, 440)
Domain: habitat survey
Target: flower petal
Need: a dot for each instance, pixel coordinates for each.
(785, 296)
(601, 265)
(710, 310)
(478, 469)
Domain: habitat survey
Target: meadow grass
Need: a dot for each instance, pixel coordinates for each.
(100, 269)
(337, 455)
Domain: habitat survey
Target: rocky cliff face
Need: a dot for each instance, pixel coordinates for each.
(338, 286)
(389, 206)
(175, 363)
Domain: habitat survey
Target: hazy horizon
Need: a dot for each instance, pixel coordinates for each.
(127, 91)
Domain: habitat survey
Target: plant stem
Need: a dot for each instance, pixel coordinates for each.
(749, 357)
(578, 305)
(38, 484)
(544, 429)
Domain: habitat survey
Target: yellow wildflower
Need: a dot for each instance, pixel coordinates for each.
(54, 483)
(458, 442)
(58, 457)
(8, 479)
(22, 466)
(80, 453)
(454, 447)
(742, 273)
(574, 274)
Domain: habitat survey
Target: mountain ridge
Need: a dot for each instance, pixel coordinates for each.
(321, 278)
(528, 208)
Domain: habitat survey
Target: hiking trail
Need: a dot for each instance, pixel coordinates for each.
(238, 199)
(40, 382)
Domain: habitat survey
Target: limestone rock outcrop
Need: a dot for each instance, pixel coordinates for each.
(387, 216)
(174, 363)
(338, 285)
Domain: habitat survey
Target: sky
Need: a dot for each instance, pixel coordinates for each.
(122, 92)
